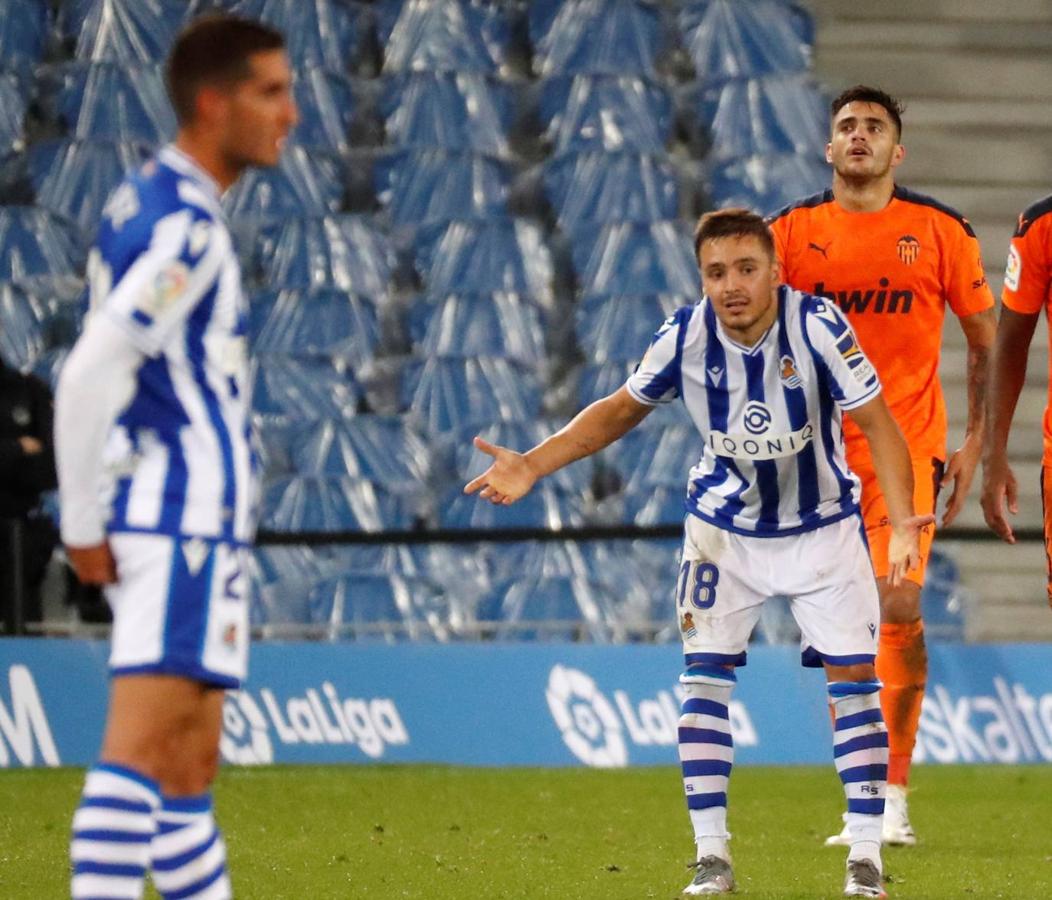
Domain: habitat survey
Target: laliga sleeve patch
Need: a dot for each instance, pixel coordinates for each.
(1013, 269)
(165, 288)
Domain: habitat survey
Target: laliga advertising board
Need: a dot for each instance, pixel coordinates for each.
(520, 704)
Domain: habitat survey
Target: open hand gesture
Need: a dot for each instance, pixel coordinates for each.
(506, 480)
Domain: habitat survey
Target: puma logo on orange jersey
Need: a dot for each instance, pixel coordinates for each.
(874, 300)
(813, 246)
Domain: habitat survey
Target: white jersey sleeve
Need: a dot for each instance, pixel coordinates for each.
(162, 286)
(658, 377)
(851, 376)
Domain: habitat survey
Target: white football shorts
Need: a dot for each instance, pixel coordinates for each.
(180, 607)
(725, 578)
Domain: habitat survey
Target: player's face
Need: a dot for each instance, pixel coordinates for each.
(260, 112)
(865, 143)
(740, 277)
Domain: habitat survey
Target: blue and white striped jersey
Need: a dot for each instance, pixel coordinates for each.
(770, 415)
(165, 271)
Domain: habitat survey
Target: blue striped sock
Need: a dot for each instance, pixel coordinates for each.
(112, 830)
(189, 856)
(706, 753)
(860, 750)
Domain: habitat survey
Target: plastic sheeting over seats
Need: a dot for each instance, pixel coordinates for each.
(444, 394)
(445, 35)
(619, 328)
(304, 184)
(108, 101)
(611, 113)
(75, 178)
(744, 38)
(761, 117)
(289, 389)
(132, 32)
(331, 503)
(390, 607)
(35, 243)
(613, 37)
(349, 253)
(323, 322)
(448, 110)
(636, 258)
(768, 183)
(418, 187)
(471, 325)
(596, 188)
(546, 506)
(485, 258)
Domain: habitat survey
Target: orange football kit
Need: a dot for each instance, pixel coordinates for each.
(1028, 290)
(892, 272)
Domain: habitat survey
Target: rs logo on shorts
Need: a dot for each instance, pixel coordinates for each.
(770, 446)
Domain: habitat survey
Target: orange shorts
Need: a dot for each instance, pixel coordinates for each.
(926, 477)
(1046, 515)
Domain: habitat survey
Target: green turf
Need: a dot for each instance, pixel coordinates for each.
(437, 833)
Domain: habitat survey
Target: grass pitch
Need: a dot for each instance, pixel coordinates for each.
(301, 833)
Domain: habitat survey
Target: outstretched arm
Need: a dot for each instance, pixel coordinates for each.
(979, 329)
(1007, 374)
(512, 475)
(891, 460)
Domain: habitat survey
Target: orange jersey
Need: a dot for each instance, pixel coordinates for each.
(892, 272)
(1028, 279)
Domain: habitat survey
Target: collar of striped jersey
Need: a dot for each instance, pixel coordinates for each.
(185, 164)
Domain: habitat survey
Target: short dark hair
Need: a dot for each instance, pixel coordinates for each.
(213, 50)
(862, 93)
(732, 222)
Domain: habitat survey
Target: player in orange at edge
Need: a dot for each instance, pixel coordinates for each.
(892, 260)
(1027, 290)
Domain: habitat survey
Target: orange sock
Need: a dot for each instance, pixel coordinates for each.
(902, 666)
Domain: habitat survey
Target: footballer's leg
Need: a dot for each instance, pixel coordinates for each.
(717, 608)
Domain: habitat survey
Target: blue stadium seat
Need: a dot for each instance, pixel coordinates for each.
(281, 578)
(323, 322)
(330, 110)
(448, 111)
(761, 116)
(656, 506)
(276, 441)
(382, 449)
(485, 258)
(605, 112)
(418, 187)
(446, 36)
(12, 116)
(767, 183)
(390, 607)
(37, 317)
(24, 31)
(305, 184)
(549, 607)
(289, 389)
(75, 178)
(108, 101)
(331, 503)
(35, 243)
(326, 33)
(743, 38)
(610, 37)
(544, 507)
(132, 32)
(596, 188)
(349, 253)
(443, 394)
(597, 381)
(636, 258)
(471, 325)
(621, 327)
(944, 600)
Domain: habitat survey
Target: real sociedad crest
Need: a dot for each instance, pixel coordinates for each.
(787, 372)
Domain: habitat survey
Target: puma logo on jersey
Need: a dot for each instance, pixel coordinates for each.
(874, 300)
(811, 245)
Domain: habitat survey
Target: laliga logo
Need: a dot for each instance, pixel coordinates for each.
(589, 725)
(757, 417)
(245, 740)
